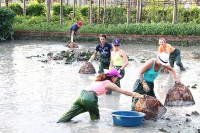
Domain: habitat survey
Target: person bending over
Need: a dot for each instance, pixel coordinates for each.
(174, 53)
(147, 74)
(87, 100)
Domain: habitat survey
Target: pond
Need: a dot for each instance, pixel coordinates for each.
(34, 95)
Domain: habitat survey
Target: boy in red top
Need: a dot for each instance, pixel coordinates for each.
(174, 54)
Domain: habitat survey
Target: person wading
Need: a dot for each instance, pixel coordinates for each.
(104, 48)
(73, 31)
(174, 53)
(148, 73)
(119, 60)
(87, 100)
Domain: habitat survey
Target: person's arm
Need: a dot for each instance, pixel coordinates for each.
(168, 48)
(117, 89)
(159, 49)
(147, 65)
(93, 56)
(168, 67)
(125, 59)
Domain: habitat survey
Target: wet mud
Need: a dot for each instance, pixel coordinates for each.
(35, 94)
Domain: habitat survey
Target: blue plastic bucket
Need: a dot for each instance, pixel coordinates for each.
(127, 118)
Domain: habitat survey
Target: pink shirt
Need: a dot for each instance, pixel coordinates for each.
(98, 87)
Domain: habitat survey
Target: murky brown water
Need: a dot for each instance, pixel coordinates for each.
(33, 95)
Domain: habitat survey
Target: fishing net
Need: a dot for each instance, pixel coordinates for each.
(72, 45)
(87, 68)
(179, 95)
(151, 106)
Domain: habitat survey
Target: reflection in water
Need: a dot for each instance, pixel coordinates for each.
(34, 94)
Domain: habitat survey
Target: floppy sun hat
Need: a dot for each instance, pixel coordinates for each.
(113, 72)
(163, 58)
(116, 42)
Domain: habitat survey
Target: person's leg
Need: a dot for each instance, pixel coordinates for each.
(69, 41)
(171, 60)
(74, 36)
(91, 104)
(101, 66)
(138, 87)
(122, 73)
(104, 64)
(75, 110)
(94, 111)
(151, 91)
(179, 63)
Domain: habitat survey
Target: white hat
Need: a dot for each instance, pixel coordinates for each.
(163, 58)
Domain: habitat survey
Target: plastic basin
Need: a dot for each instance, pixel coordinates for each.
(127, 118)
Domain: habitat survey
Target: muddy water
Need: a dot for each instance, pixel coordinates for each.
(33, 95)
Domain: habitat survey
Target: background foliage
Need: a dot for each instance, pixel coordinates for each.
(6, 21)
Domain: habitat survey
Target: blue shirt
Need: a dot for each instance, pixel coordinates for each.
(74, 27)
(104, 51)
(151, 74)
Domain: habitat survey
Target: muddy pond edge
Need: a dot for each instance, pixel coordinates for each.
(93, 37)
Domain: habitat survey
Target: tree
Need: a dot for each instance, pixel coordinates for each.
(104, 12)
(128, 12)
(48, 11)
(174, 21)
(80, 2)
(74, 8)
(61, 12)
(98, 12)
(24, 7)
(91, 1)
(139, 11)
(6, 3)
(67, 2)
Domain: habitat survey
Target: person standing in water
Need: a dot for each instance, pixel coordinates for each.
(88, 98)
(73, 31)
(119, 60)
(174, 53)
(104, 48)
(148, 73)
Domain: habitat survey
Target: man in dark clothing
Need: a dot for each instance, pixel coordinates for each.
(73, 31)
(104, 48)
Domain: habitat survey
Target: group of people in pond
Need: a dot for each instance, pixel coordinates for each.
(116, 60)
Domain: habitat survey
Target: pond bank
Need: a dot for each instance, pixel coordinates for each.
(64, 36)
